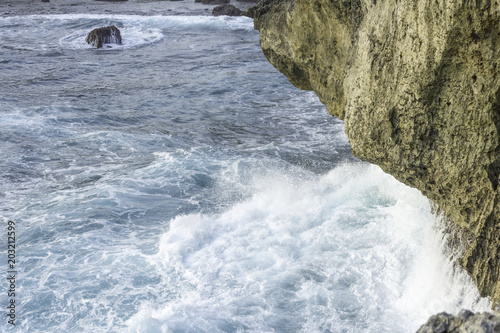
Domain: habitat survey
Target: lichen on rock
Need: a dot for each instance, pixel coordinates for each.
(416, 83)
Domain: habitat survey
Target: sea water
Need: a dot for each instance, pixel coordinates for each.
(179, 183)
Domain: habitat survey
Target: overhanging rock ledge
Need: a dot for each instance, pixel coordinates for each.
(416, 83)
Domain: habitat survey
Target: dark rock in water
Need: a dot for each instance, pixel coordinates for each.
(212, 2)
(45, 0)
(105, 35)
(228, 10)
(465, 321)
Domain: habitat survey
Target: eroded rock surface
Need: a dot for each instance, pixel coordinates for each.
(416, 83)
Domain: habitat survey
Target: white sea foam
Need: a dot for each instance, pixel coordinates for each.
(136, 30)
(180, 22)
(352, 251)
(193, 197)
(135, 37)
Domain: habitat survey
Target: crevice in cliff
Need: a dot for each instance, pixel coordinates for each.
(494, 168)
(394, 120)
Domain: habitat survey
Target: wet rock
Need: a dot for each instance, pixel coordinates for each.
(105, 35)
(228, 10)
(465, 321)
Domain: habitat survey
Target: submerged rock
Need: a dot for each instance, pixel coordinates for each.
(417, 84)
(105, 35)
(228, 10)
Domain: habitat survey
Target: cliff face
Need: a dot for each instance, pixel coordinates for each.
(416, 83)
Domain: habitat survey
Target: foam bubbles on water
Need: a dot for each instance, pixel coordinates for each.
(342, 252)
(349, 251)
(135, 37)
(136, 30)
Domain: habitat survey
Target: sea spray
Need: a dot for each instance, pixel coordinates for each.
(193, 187)
(353, 250)
(437, 282)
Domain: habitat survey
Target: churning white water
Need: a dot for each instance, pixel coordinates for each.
(188, 187)
(349, 251)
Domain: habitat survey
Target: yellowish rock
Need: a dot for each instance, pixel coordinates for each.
(416, 83)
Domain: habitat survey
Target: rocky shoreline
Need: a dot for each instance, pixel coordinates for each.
(128, 7)
(417, 87)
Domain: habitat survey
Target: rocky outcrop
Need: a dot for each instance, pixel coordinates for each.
(105, 35)
(228, 10)
(416, 83)
(212, 2)
(464, 322)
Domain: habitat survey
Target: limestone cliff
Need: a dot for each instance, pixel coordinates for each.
(416, 83)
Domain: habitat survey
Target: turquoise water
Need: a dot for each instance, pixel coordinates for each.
(179, 183)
